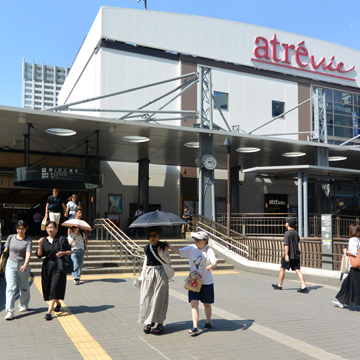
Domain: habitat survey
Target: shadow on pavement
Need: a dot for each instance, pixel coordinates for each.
(89, 309)
(104, 280)
(217, 325)
(310, 288)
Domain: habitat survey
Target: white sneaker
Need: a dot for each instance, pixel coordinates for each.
(194, 331)
(338, 304)
(9, 315)
(23, 308)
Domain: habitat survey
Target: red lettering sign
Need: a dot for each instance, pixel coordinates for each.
(276, 53)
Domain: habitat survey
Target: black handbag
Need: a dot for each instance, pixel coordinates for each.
(64, 264)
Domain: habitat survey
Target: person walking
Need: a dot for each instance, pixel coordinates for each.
(78, 240)
(54, 203)
(139, 212)
(71, 206)
(291, 258)
(187, 218)
(53, 282)
(202, 259)
(349, 293)
(154, 293)
(17, 270)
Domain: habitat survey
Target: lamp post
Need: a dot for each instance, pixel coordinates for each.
(228, 145)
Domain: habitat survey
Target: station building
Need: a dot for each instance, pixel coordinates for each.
(288, 103)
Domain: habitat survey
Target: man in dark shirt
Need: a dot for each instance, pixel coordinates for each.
(291, 258)
(54, 203)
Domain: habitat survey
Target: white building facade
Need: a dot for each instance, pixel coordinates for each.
(41, 84)
(257, 74)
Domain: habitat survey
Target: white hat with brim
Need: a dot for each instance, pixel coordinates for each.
(201, 235)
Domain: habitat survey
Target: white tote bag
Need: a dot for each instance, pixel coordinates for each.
(169, 270)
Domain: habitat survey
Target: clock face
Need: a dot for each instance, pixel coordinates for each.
(208, 161)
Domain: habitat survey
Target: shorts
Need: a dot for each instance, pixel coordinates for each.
(293, 264)
(54, 217)
(206, 294)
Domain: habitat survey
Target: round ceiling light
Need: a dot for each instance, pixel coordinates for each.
(60, 132)
(193, 145)
(247, 150)
(294, 154)
(337, 158)
(136, 139)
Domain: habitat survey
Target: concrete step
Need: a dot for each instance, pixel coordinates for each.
(99, 262)
(120, 269)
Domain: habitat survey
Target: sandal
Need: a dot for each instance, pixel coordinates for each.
(158, 330)
(148, 327)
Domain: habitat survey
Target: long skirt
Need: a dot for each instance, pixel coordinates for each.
(53, 283)
(349, 293)
(154, 296)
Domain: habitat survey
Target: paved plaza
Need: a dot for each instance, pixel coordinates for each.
(250, 321)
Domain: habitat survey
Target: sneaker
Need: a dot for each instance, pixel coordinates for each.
(48, 316)
(207, 326)
(77, 281)
(304, 290)
(276, 287)
(23, 308)
(9, 315)
(338, 304)
(194, 331)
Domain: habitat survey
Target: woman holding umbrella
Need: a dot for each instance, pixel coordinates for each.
(53, 282)
(154, 294)
(78, 239)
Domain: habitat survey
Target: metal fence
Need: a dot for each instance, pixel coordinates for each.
(260, 224)
(270, 249)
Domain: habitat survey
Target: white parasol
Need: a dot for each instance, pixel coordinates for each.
(77, 223)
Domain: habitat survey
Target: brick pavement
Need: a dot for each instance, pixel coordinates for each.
(250, 321)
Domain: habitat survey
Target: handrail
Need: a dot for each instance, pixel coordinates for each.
(127, 246)
(219, 234)
(231, 246)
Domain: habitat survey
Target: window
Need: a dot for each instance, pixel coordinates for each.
(278, 108)
(27, 102)
(28, 91)
(221, 99)
(28, 97)
(342, 115)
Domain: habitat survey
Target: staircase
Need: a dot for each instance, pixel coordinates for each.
(103, 260)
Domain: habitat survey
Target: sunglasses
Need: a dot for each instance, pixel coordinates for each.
(153, 236)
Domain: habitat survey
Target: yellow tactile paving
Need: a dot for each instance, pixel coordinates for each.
(87, 346)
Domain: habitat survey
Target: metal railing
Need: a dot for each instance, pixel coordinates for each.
(260, 224)
(217, 233)
(120, 242)
(270, 249)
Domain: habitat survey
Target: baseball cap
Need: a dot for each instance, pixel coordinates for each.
(291, 221)
(201, 235)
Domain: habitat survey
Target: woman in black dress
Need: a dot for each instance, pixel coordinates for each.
(53, 282)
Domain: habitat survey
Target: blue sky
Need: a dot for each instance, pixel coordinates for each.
(52, 31)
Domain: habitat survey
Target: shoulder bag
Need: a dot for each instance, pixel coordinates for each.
(5, 256)
(64, 264)
(169, 270)
(194, 280)
(355, 261)
(344, 267)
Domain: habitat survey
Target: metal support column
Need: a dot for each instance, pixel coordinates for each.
(306, 206)
(206, 146)
(28, 146)
(235, 189)
(143, 184)
(300, 205)
(25, 147)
